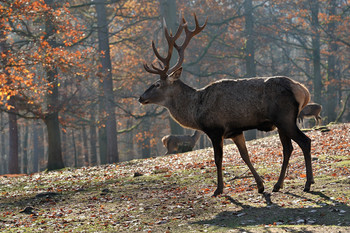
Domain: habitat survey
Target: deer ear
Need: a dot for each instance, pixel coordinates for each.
(175, 75)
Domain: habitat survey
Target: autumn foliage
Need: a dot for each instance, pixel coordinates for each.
(41, 35)
(29, 50)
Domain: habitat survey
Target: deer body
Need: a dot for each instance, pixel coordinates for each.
(232, 106)
(226, 108)
(180, 143)
(311, 110)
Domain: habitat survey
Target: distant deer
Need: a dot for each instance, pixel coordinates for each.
(180, 143)
(311, 110)
(226, 108)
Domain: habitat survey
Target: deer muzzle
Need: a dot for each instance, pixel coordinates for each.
(143, 100)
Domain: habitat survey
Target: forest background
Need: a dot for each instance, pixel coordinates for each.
(71, 71)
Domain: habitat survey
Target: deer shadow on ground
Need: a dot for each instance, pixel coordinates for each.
(326, 212)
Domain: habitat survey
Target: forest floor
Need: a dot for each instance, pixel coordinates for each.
(174, 193)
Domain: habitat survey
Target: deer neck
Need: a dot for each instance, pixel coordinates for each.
(182, 105)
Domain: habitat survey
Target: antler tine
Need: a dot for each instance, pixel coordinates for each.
(148, 69)
(162, 71)
(189, 35)
(155, 70)
(171, 39)
(162, 59)
(165, 61)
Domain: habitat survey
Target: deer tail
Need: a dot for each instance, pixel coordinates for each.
(165, 140)
(301, 94)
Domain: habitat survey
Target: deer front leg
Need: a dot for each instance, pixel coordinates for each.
(240, 143)
(217, 145)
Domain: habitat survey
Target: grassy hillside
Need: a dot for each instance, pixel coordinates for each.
(173, 193)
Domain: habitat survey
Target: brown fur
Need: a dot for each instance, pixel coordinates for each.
(180, 143)
(311, 110)
(301, 93)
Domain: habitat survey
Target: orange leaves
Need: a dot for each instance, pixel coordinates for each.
(24, 66)
(206, 190)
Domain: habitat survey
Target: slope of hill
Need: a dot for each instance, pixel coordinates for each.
(173, 193)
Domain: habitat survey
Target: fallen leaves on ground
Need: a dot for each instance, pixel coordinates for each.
(173, 193)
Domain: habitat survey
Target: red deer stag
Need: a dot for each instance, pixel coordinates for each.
(311, 110)
(226, 108)
(180, 143)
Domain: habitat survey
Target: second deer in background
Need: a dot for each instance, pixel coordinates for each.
(180, 143)
(311, 110)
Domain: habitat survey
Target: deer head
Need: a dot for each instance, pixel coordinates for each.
(165, 87)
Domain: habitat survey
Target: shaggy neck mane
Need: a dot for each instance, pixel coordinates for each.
(182, 106)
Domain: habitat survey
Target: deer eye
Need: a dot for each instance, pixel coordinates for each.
(157, 85)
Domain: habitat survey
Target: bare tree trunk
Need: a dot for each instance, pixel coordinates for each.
(13, 131)
(129, 140)
(3, 159)
(168, 12)
(316, 57)
(102, 134)
(249, 51)
(74, 150)
(93, 139)
(106, 74)
(331, 69)
(102, 143)
(55, 160)
(25, 150)
(36, 146)
(146, 145)
(85, 148)
(39, 149)
(65, 148)
(250, 43)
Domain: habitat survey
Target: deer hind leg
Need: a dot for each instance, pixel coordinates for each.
(287, 151)
(305, 144)
(172, 147)
(318, 120)
(240, 143)
(217, 142)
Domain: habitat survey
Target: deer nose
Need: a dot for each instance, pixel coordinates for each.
(142, 100)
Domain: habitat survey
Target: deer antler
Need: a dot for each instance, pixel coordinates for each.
(163, 63)
(189, 35)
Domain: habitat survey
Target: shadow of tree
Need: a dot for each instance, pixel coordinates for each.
(327, 212)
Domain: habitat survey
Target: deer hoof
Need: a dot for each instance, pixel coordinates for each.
(276, 188)
(217, 192)
(308, 185)
(261, 189)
